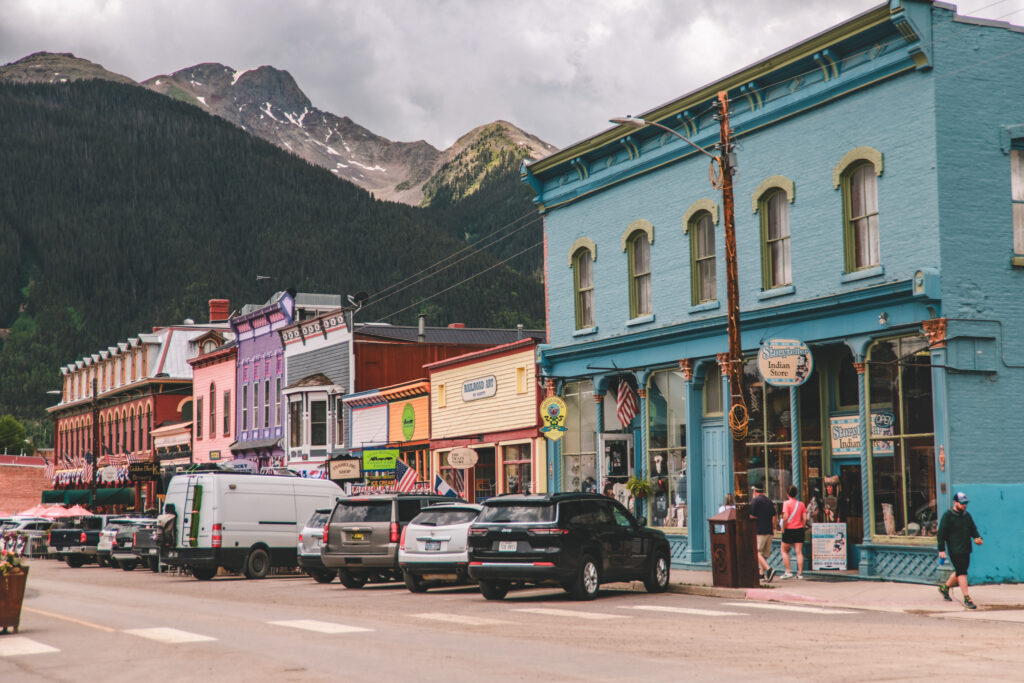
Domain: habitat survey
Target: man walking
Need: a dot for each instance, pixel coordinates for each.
(956, 530)
(762, 510)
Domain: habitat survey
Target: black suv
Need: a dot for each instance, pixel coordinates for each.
(362, 534)
(575, 540)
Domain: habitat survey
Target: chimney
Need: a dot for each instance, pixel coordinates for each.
(519, 331)
(457, 326)
(421, 330)
(220, 309)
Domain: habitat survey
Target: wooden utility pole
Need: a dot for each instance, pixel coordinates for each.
(95, 441)
(737, 406)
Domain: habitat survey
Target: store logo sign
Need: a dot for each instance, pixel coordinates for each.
(785, 362)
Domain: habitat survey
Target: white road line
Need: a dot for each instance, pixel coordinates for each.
(788, 608)
(13, 646)
(570, 613)
(170, 636)
(319, 626)
(685, 610)
(460, 619)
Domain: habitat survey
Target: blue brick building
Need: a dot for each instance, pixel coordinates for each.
(879, 221)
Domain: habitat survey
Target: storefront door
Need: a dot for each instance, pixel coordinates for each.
(851, 504)
(484, 479)
(616, 463)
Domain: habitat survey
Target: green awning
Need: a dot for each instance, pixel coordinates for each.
(54, 496)
(123, 496)
(73, 496)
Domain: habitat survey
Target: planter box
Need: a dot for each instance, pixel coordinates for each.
(12, 592)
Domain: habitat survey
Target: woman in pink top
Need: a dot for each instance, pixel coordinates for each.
(794, 518)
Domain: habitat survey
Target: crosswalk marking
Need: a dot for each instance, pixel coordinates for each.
(460, 619)
(788, 608)
(684, 610)
(570, 613)
(13, 646)
(319, 626)
(170, 636)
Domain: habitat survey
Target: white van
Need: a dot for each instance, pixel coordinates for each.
(242, 522)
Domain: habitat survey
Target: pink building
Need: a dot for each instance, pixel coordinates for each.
(213, 389)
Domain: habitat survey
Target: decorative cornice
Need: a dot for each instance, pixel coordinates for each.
(860, 367)
(723, 362)
(686, 367)
(936, 331)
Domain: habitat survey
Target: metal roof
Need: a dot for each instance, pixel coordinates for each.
(448, 335)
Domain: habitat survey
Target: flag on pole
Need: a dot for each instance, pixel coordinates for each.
(442, 488)
(626, 406)
(405, 477)
(51, 467)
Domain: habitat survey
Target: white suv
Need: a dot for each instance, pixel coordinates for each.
(433, 546)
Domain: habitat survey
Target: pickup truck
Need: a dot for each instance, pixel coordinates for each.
(123, 550)
(74, 539)
(146, 548)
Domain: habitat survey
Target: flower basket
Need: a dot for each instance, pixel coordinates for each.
(12, 592)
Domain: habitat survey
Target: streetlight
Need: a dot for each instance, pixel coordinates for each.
(722, 179)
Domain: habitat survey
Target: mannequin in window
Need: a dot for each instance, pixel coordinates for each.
(832, 499)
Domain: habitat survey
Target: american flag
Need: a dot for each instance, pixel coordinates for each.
(51, 467)
(405, 477)
(625, 405)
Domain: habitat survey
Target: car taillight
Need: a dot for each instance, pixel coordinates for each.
(300, 538)
(113, 542)
(477, 531)
(216, 539)
(326, 526)
(49, 537)
(549, 531)
(394, 533)
(81, 539)
(401, 543)
(135, 538)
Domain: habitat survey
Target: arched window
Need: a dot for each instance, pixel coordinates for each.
(639, 250)
(704, 286)
(856, 173)
(776, 269)
(583, 284)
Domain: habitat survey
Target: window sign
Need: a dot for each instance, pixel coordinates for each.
(484, 387)
(379, 465)
(785, 362)
(845, 433)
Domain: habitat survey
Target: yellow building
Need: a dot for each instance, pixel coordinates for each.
(487, 402)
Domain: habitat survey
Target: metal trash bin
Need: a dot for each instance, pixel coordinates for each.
(733, 564)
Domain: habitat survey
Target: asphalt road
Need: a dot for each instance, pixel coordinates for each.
(109, 625)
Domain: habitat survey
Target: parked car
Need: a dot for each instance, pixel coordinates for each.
(123, 550)
(74, 539)
(362, 535)
(573, 540)
(145, 546)
(311, 538)
(433, 546)
(105, 546)
(34, 529)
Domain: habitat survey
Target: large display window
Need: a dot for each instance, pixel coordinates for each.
(579, 444)
(902, 439)
(666, 439)
(769, 444)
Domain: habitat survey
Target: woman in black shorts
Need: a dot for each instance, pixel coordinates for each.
(793, 520)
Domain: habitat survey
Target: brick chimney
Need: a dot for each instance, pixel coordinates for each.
(220, 309)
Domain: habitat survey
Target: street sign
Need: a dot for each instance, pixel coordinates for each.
(144, 471)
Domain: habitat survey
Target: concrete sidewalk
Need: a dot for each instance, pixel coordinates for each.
(846, 591)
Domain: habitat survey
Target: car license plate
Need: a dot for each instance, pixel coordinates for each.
(433, 545)
(507, 546)
(357, 535)
(152, 551)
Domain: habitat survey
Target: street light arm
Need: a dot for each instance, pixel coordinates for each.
(637, 122)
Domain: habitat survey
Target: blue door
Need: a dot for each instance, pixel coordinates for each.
(717, 471)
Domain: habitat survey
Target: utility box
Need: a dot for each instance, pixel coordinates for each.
(733, 562)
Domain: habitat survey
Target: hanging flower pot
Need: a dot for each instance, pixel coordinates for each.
(13, 576)
(639, 488)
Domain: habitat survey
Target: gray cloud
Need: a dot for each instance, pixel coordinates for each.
(434, 69)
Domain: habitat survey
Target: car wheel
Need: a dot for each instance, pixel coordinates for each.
(493, 590)
(74, 561)
(587, 581)
(323, 575)
(110, 563)
(657, 576)
(204, 573)
(350, 580)
(415, 583)
(154, 565)
(257, 565)
(127, 566)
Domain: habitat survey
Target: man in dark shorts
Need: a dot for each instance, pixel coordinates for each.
(763, 511)
(956, 530)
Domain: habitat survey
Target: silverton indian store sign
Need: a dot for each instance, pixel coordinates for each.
(785, 362)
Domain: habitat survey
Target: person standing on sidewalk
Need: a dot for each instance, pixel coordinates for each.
(956, 530)
(794, 519)
(763, 512)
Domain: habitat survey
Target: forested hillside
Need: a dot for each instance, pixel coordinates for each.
(121, 209)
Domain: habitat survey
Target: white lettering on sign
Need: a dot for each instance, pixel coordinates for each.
(483, 387)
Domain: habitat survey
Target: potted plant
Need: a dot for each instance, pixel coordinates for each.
(639, 488)
(13, 574)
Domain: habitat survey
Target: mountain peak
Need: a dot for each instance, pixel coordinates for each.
(56, 67)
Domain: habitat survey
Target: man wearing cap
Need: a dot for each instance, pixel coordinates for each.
(956, 530)
(762, 510)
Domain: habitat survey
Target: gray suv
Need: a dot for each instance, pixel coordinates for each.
(361, 536)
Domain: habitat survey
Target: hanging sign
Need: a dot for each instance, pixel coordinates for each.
(553, 413)
(346, 469)
(143, 471)
(785, 362)
(484, 387)
(462, 458)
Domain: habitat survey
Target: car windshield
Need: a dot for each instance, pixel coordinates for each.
(445, 517)
(517, 512)
(362, 511)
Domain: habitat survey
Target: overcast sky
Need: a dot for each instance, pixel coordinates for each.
(434, 69)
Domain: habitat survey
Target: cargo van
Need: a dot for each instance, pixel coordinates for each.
(243, 522)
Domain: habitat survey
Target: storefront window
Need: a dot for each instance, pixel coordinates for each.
(666, 438)
(518, 473)
(902, 450)
(809, 398)
(769, 446)
(454, 477)
(579, 445)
